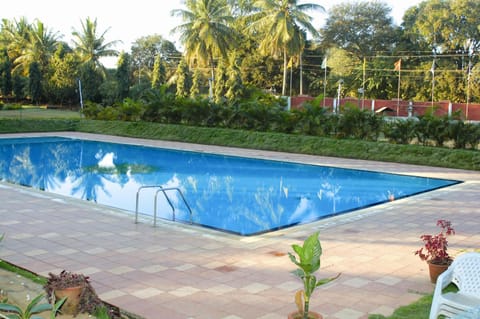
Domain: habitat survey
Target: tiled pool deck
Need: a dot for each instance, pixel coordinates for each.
(178, 271)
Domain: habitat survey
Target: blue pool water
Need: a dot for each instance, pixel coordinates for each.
(234, 194)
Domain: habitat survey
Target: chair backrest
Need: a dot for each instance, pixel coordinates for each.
(466, 273)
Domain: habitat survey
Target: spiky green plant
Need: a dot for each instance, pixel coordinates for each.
(10, 311)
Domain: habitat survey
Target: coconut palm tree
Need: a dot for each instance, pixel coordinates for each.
(91, 46)
(40, 47)
(14, 36)
(28, 43)
(206, 32)
(282, 26)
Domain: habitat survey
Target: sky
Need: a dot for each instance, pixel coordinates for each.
(128, 21)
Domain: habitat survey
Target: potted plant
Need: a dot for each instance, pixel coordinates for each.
(76, 288)
(308, 263)
(434, 251)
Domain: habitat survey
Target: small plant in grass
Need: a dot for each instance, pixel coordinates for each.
(102, 312)
(308, 263)
(435, 246)
(10, 311)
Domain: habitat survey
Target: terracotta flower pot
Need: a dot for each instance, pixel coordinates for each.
(299, 315)
(70, 306)
(435, 270)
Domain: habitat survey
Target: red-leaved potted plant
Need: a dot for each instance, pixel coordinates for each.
(434, 251)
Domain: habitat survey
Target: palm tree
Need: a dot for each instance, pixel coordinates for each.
(91, 47)
(206, 31)
(40, 47)
(28, 43)
(281, 25)
(14, 35)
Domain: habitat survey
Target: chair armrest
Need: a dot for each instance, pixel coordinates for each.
(443, 280)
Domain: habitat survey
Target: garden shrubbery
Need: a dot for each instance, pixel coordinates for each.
(264, 113)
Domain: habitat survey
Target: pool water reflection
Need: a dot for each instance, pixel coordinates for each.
(235, 194)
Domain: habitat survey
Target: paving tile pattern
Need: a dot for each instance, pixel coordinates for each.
(180, 271)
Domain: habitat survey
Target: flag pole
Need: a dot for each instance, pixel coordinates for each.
(324, 65)
(433, 73)
(398, 89)
(433, 79)
(398, 67)
(363, 82)
(470, 53)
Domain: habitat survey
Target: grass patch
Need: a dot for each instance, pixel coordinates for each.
(36, 125)
(420, 309)
(35, 112)
(23, 272)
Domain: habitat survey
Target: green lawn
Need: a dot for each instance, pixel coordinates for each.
(420, 309)
(39, 113)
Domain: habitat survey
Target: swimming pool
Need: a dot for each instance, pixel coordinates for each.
(240, 195)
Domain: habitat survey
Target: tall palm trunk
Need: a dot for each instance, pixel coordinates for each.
(284, 84)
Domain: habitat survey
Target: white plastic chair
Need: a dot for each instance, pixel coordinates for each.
(464, 272)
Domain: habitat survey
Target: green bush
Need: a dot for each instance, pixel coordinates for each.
(109, 113)
(464, 134)
(12, 107)
(359, 124)
(91, 110)
(130, 110)
(400, 131)
(312, 119)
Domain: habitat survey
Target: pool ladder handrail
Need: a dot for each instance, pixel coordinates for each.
(164, 191)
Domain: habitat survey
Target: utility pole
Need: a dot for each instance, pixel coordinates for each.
(301, 75)
(80, 93)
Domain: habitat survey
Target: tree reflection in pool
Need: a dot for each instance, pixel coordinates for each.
(240, 195)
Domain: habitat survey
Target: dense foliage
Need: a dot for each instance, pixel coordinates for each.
(261, 112)
(273, 46)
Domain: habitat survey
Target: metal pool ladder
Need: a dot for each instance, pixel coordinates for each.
(162, 190)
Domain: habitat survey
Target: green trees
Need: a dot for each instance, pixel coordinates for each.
(29, 45)
(254, 43)
(6, 84)
(282, 25)
(361, 31)
(450, 31)
(183, 80)
(123, 75)
(150, 55)
(159, 74)
(35, 82)
(361, 28)
(235, 87)
(15, 38)
(40, 46)
(206, 33)
(91, 45)
(61, 85)
(221, 82)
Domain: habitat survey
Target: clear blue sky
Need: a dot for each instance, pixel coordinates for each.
(128, 21)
